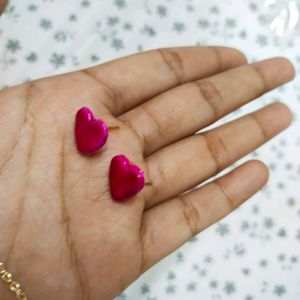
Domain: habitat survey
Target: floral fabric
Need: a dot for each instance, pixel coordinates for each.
(255, 252)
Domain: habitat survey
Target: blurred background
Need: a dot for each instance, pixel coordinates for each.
(255, 252)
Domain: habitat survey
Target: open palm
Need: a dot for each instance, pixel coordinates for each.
(62, 236)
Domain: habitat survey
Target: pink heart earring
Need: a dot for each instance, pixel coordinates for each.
(125, 178)
(90, 133)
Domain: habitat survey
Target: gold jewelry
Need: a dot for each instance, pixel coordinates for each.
(14, 286)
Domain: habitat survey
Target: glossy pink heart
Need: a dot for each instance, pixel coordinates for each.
(90, 133)
(125, 178)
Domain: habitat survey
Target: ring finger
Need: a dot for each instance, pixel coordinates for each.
(196, 158)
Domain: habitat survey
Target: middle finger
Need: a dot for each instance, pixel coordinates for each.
(189, 107)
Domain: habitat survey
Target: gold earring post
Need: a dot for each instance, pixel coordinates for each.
(113, 127)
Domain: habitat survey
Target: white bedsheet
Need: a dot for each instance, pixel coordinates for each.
(255, 252)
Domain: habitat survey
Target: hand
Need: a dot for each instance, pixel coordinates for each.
(62, 236)
(3, 4)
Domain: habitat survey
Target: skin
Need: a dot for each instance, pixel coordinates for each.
(3, 3)
(61, 233)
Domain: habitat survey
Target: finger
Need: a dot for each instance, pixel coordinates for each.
(187, 108)
(194, 159)
(3, 4)
(167, 226)
(134, 79)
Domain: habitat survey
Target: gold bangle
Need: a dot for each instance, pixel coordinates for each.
(14, 286)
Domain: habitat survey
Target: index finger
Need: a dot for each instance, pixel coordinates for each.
(134, 79)
(3, 3)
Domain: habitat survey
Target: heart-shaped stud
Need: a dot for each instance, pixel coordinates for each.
(125, 178)
(90, 133)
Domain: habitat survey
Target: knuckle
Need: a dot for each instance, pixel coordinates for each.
(152, 119)
(218, 58)
(263, 133)
(137, 133)
(155, 171)
(107, 89)
(211, 95)
(174, 62)
(217, 149)
(228, 199)
(264, 85)
(190, 214)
